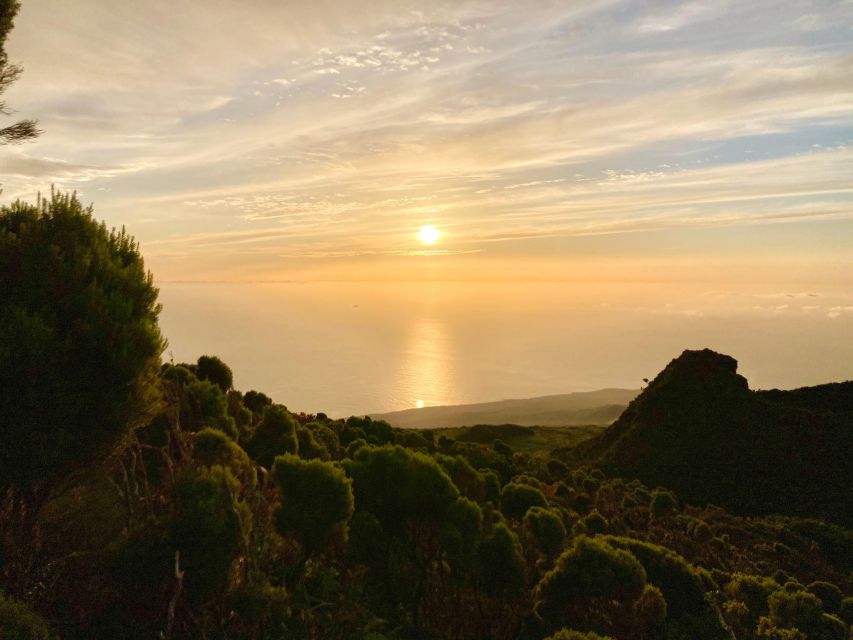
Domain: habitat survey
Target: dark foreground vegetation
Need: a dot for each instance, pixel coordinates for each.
(151, 500)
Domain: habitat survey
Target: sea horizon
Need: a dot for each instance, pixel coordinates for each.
(357, 348)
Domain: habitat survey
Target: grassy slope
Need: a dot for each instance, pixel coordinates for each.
(531, 440)
(593, 407)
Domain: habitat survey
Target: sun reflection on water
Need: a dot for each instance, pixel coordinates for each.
(425, 375)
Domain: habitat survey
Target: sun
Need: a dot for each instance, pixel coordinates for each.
(428, 234)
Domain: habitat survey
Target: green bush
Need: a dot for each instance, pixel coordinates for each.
(845, 611)
(79, 344)
(590, 587)
(309, 447)
(212, 447)
(663, 503)
(594, 523)
(400, 486)
(680, 583)
(213, 369)
(470, 483)
(207, 529)
(18, 622)
(501, 563)
(460, 533)
(753, 591)
(141, 562)
(316, 501)
(829, 595)
(517, 498)
(274, 435)
(256, 402)
(326, 438)
(203, 404)
(546, 528)
(798, 610)
(650, 612)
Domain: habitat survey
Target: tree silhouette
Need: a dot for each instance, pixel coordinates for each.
(24, 129)
(79, 344)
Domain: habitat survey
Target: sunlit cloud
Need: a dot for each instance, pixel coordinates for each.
(262, 131)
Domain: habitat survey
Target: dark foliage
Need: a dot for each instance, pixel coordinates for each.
(698, 429)
(24, 129)
(224, 515)
(79, 341)
(213, 369)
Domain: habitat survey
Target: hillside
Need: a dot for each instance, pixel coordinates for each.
(701, 431)
(531, 440)
(564, 410)
(185, 508)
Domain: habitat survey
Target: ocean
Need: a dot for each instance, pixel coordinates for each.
(348, 348)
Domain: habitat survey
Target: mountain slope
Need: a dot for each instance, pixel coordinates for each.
(699, 429)
(570, 409)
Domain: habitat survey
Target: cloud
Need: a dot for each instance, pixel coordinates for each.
(683, 15)
(17, 164)
(270, 129)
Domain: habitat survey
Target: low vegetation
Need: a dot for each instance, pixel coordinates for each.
(162, 502)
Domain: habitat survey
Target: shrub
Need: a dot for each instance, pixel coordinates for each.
(753, 591)
(354, 446)
(845, 611)
(316, 501)
(327, 438)
(274, 435)
(491, 486)
(798, 610)
(308, 446)
(207, 529)
(545, 527)
(589, 588)
(400, 486)
(501, 564)
(517, 498)
(650, 611)
(681, 585)
(18, 622)
(470, 483)
(663, 503)
(256, 402)
(594, 523)
(701, 532)
(77, 309)
(829, 595)
(203, 404)
(461, 532)
(212, 448)
(213, 369)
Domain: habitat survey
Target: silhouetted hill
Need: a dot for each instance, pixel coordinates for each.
(699, 429)
(564, 410)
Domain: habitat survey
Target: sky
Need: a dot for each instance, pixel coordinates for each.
(593, 139)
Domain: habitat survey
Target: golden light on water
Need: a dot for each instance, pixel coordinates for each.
(426, 375)
(429, 234)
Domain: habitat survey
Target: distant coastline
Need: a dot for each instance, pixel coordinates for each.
(599, 407)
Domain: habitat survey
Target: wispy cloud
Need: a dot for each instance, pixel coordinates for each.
(261, 130)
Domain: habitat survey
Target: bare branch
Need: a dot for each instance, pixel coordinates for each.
(19, 132)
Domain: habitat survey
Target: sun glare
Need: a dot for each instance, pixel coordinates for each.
(429, 234)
